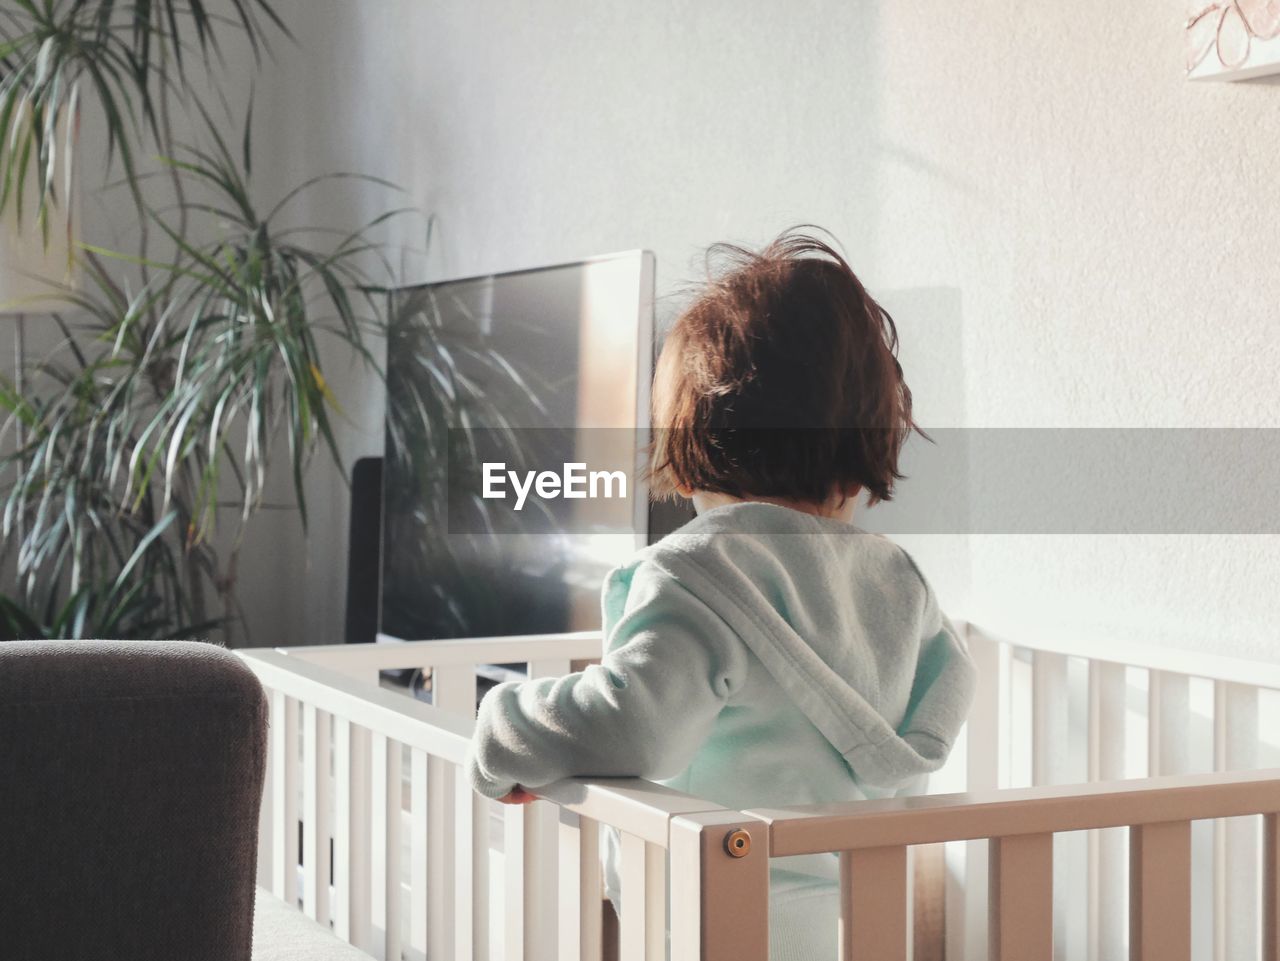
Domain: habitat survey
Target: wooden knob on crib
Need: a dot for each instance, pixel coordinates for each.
(738, 843)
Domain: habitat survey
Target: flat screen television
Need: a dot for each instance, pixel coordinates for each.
(533, 369)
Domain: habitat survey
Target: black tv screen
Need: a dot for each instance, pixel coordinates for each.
(537, 371)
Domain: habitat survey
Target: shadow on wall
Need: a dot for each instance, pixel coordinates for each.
(934, 493)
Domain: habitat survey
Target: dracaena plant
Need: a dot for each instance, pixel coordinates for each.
(162, 406)
(126, 60)
(189, 366)
(83, 559)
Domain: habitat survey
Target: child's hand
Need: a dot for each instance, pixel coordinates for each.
(518, 796)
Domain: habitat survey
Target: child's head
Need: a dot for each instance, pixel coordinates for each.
(781, 380)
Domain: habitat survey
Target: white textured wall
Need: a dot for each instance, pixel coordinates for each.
(1099, 233)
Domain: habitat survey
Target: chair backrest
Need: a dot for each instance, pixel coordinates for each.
(130, 779)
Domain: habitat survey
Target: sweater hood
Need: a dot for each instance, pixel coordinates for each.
(841, 619)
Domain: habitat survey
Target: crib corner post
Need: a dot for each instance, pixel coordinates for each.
(719, 887)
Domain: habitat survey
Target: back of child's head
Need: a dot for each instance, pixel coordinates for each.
(780, 380)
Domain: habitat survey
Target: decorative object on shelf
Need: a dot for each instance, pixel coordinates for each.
(1232, 39)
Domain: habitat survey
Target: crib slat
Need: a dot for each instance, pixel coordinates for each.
(1169, 751)
(541, 840)
(469, 814)
(453, 689)
(570, 934)
(358, 827)
(284, 745)
(342, 891)
(481, 901)
(1048, 718)
(418, 853)
(441, 846)
(386, 805)
(643, 927)
(1160, 892)
(633, 926)
(655, 902)
(513, 900)
(529, 850)
(580, 912)
(590, 891)
(1021, 898)
(1235, 722)
(1107, 856)
(315, 813)
(927, 867)
(1051, 764)
(983, 728)
(873, 904)
(1168, 723)
(986, 768)
(1019, 720)
(1271, 887)
(351, 833)
(541, 873)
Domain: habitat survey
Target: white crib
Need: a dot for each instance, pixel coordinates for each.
(1109, 802)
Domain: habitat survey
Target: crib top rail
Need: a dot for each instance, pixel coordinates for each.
(1003, 813)
(362, 659)
(633, 805)
(409, 721)
(1151, 657)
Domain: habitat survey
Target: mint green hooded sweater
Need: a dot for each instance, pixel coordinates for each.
(757, 657)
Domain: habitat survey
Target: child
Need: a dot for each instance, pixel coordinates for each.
(768, 653)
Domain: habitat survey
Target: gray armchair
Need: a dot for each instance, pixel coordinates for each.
(130, 778)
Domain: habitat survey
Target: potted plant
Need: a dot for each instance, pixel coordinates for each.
(185, 369)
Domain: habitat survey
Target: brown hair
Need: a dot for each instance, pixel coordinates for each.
(780, 380)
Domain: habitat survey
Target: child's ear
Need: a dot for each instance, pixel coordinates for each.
(684, 492)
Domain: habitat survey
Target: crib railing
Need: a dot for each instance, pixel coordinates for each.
(1019, 825)
(396, 850)
(369, 825)
(1091, 712)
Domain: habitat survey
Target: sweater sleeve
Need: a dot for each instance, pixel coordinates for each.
(942, 690)
(670, 666)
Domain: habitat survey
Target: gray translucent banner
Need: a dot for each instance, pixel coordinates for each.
(961, 481)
